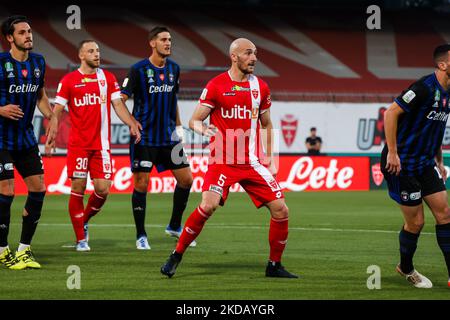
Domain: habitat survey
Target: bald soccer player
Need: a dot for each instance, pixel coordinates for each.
(238, 104)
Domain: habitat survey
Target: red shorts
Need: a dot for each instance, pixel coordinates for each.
(256, 180)
(96, 162)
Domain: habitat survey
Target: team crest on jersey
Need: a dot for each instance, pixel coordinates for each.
(102, 82)
(171, 77)
(255, 93)
(37, 73)
(9, 67)
(161, 76)
(24, 72)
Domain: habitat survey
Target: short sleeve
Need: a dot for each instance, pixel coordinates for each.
(113, 88)
(130, 82)
(413, 97)
(208, 96)
(63, 92)
(266, 100)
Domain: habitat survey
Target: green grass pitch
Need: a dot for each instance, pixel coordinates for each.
(333, 238)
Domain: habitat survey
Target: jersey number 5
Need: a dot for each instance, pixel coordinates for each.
(221, 180)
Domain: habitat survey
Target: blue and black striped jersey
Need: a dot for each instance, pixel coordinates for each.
(20, 83)
(421, 127)
(155, 100)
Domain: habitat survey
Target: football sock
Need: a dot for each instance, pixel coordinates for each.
(5, 218)
(139, 203)
(408, 246)
(33, 206)
(76, 211)
(180, 199)
(278, 234)
(192, 228)
(22, 247)
(443, 239)
(93, 206)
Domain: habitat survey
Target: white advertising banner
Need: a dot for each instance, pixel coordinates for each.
(343, 127)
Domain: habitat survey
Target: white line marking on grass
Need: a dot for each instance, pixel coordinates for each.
(225, 226)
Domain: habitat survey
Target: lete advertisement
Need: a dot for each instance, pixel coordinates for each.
(295, 174)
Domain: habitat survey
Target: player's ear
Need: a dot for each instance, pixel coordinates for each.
(10, 38)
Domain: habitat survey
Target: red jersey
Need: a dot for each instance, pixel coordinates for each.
(88, 97)
(236, 108)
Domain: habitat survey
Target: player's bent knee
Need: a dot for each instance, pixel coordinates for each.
(209, 206)
(414, 226)
(281, 213)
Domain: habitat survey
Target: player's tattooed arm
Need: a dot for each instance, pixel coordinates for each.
(393, 165)
(43, 104)
(202, 112)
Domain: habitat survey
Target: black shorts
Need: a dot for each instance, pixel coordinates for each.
(28, 162)
(144, 158)
(409, 190)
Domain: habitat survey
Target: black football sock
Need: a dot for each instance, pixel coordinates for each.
(5, 218)
(180, 199)
(443, 239)
(408, 246)
(33, 206)
(139, 202)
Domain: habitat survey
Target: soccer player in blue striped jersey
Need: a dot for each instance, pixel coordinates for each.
(153, 83)
(412, 161)
(21, 89)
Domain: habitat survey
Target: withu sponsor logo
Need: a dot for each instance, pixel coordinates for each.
(88, 100)
(238, 112)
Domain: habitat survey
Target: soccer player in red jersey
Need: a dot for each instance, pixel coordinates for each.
(238, 104)
(88, 93)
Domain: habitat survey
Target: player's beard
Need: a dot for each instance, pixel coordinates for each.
(22, 48)
(93, 64)
(244, 68)
(163, 54)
